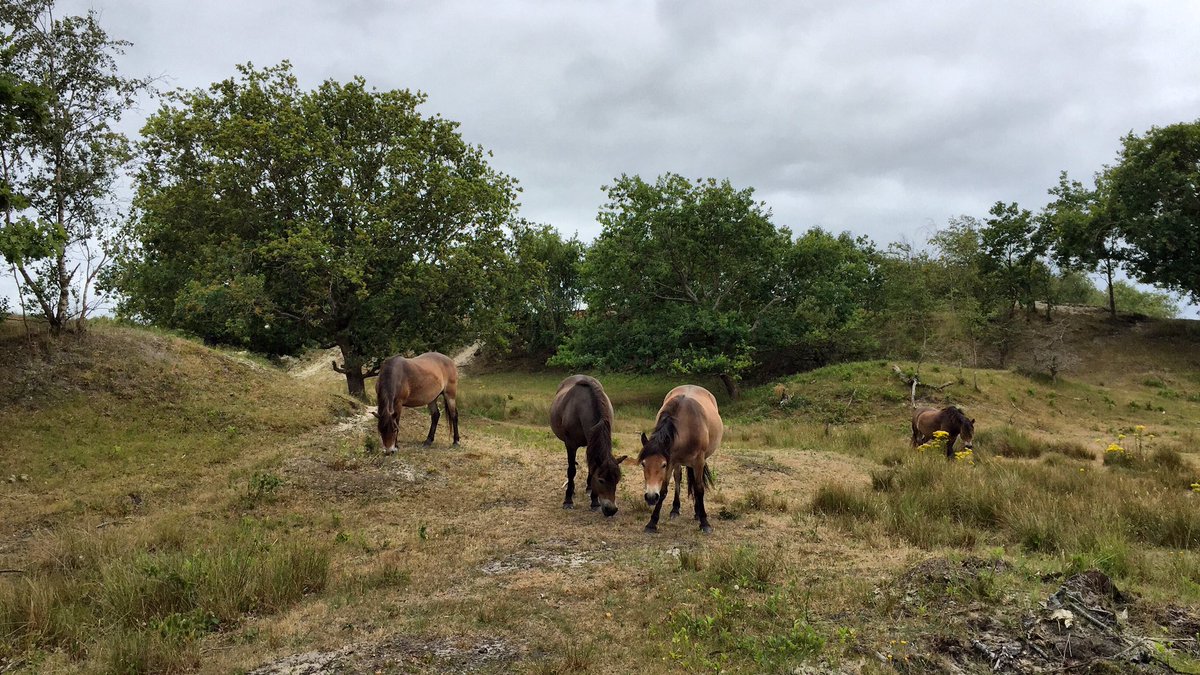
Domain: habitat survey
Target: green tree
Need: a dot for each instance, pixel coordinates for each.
(678, 279)
(1154, 199)
(63, 168)
(276, 218)
(1148, 302)
(820, 307)
(1073, 287)
(1081, 232)
(1011, 249)
(545, 291)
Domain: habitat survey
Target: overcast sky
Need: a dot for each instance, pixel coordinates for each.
(882, 118)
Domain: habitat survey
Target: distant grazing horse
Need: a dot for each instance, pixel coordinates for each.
(412, 383)
(950, 419)
(581, 415)
(688, 431)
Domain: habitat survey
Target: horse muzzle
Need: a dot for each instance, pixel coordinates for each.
(651, 498)
(609, 510)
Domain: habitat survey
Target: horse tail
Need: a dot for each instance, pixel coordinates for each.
(598, 407)
(709, 479)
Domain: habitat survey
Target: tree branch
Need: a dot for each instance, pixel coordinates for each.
(763, 311)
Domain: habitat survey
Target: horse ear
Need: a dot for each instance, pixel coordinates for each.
(972, 420)
(375, 414)
(622, 458)
(645, 441)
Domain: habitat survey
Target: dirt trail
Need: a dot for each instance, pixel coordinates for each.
(317, 363)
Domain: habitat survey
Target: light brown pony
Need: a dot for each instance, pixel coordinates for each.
(950, 419)
(581, 415)
(688, 431)
(412, 383)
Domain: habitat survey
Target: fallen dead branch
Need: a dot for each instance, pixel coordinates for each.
(914, 382)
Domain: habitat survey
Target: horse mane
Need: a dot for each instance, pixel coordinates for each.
(956, 413)
(384, 403)
(662, 438)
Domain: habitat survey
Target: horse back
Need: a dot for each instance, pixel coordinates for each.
(574, 409)
(417, 381)
(923, 417)
(697, 419)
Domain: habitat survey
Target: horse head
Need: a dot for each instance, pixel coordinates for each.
(604, 470)
(655, 459)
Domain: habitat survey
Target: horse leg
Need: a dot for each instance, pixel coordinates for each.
(950, 446)
(568, 502)
(595, 505)
(652, 526)
(449, 397)
(675, 504)
(696, 481)
(915, 435)
(434, 416)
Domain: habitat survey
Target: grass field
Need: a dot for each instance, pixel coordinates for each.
(172, 508)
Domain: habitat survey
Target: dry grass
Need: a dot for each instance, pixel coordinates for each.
(440, 559)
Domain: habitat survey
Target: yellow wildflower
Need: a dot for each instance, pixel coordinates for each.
(1195, 487)
(1120, 437)
(941, 435)
(1113, 447)
(1140, 428)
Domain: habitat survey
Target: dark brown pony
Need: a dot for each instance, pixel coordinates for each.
(687, 432)
(412, 383)
(581, 415)
(950, 419)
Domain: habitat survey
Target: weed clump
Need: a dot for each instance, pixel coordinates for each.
(143, 608)
(835, 499)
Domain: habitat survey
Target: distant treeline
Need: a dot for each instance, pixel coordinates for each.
(277, 218)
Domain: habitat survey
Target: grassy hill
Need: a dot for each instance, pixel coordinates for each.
(169, 508)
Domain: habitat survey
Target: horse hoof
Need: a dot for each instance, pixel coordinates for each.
(454, 444)
(673, 514)
(595, 507)
(650, 529)
(568, 505)
(427, 443)
(706, 529)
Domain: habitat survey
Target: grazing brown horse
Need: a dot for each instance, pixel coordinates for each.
(688, 431)
(581, 415)
(412, 383)
(950, 419)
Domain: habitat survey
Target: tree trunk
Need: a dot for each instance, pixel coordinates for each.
(730, 385)
(1112, 298)
(352, 368)
(356, 384)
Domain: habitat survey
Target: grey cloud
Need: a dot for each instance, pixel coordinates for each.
(877, 117)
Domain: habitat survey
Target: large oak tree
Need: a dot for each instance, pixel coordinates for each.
(275, 218)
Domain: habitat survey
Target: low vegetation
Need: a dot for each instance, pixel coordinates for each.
(222, 512)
